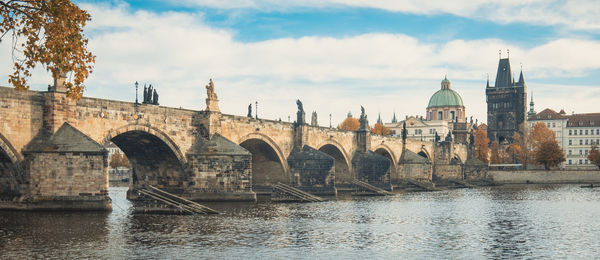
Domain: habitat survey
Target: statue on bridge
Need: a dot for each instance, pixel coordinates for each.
(404, 132)
(364, 123)
(210, 90)
(250, 110)
(448, 137)
(212, 104)
(313, 119)
(300, 115)
(155, 98)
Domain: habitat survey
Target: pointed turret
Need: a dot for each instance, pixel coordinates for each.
(379, 119)
(504, 77)
(394, 120)
(531, 104)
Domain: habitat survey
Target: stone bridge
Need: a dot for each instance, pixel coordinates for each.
(49, 148)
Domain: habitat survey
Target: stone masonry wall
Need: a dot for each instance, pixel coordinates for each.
(414, 171)
(220, 172)
(542, 176)
(67, 174)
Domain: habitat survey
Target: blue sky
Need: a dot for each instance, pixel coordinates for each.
(340, 54)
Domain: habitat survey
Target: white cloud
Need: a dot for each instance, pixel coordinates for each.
(178, 53)
(580, 14)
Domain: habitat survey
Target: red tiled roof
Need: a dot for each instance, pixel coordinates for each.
(547, 114)
(584, 120)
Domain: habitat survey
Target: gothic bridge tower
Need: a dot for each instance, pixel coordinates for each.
(506, 103)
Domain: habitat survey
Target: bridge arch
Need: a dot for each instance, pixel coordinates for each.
(269, 165)
(10, 170)
(457, 157)
(385, 150)
(423, 152)
(154, 158)
(342, 164)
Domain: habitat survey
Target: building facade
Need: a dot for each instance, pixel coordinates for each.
(506, 104)
(444, 110)
(575, 134)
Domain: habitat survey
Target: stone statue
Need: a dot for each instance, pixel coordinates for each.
(471, 120)
(364, 123)
(145, 94)
(313, 119)
(155, 98)
(448, 137)
(149, 96)
(437, 137)
(210, 90)
(404, 132)
(300, 115)
(250, 110)
(471, 138)
(299, 103)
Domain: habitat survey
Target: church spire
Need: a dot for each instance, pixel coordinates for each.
(531, 104)
(521, 79)
(379, 119)
(394, 120)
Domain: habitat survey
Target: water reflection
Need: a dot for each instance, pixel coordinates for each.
(498, 222)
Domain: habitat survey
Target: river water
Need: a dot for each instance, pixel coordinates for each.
(561, 221)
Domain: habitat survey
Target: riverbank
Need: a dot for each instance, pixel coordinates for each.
(545, 177)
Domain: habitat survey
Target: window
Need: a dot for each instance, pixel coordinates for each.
(570, 142)
(580, 152)
(586, 161)
(431, 131)
(586, 141)
(553, 124)
(440, 115)
(586, 131)
(570, 152)
(452, 115)
(575, 132)
(430, 116)
(570, 161)
(579, 161)
(597, 131)
(548, 125)
(580, 141)
(580, 131)
(570, 132)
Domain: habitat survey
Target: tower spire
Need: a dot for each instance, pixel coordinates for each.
(379, 118)
(531, 109)
(488, 81)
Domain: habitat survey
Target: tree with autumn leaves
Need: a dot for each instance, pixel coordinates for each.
(118, 160)
(379, 129)
(594, 155)
(47, 32)
(546, 151)
(349, 124)
(481, 142)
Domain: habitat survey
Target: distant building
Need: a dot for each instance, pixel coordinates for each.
(446, 104)
(574, 133)
(506, 103)
(444, 110)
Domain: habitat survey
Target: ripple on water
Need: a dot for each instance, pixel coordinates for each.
(556, 221)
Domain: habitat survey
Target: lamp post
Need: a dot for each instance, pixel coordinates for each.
(136, 92)
(256, 106)
(330, 120)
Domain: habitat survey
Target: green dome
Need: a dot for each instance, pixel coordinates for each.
(445, 98)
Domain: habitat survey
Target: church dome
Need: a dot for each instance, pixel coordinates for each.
(445, 97)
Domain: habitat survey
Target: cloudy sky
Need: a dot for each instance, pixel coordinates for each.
(387, 55)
